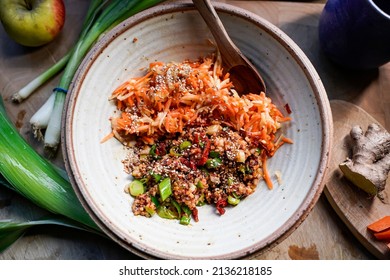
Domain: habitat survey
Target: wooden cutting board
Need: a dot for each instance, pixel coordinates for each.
(352, 205)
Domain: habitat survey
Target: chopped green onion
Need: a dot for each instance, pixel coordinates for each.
(177, 206)
(144, 180)
(213, 163)
(153, 152)
(185, 220)
(174, 151)
(155, 201)
(157, 177)
(136, 188)
(186, 209)
(186, 217)
(244, 169)
(150, 210)
(201, 203)
(233, 200)
(164, 188)
(201, 200)
(214, 154)
(165, 212)
(185, 145)
(199, 185)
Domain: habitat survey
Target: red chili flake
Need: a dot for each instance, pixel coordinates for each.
(196, 138)
(161, 149)
(288, 109)
(220, 206)
(188, 163)
(195, 214)
(205, 152)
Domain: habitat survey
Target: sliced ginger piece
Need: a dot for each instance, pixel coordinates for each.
(370, 163)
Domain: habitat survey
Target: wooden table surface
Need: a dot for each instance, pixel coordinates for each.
(321, 236)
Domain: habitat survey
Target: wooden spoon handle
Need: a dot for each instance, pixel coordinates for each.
(231, 54)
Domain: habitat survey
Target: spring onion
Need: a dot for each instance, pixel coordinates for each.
(22, 169)
(115, 12)
(32, 86)
(35, 177)
(41, 118)
(94, 8)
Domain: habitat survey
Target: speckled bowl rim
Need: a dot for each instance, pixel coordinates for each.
(315, 82)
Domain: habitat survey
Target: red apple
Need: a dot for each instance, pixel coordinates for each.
(32, 23)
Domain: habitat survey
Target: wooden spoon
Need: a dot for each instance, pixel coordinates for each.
(243, 74)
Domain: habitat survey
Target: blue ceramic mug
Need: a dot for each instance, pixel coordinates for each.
(356, 33)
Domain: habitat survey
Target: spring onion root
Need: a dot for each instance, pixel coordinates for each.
(40, 119)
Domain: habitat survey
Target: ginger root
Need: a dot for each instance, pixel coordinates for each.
(370, 164)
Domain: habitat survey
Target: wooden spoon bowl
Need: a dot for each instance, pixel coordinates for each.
(243, 74)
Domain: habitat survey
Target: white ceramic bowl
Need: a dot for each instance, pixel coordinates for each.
(174, 32)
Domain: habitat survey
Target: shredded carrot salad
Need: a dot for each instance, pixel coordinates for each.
(172, 96)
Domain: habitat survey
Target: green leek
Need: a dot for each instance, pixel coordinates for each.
(35, 177)
(22, 169)
(11, 231)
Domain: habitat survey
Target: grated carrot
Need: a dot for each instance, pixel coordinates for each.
(171, 96)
